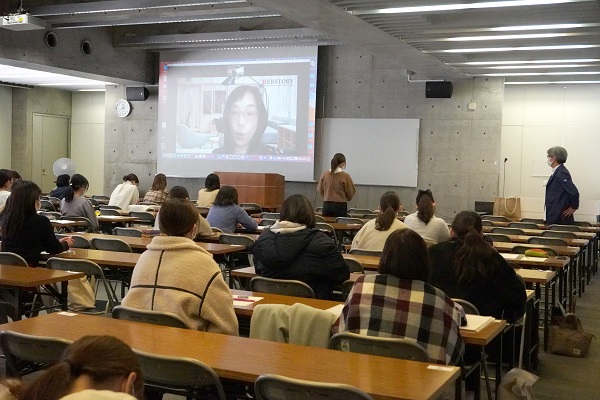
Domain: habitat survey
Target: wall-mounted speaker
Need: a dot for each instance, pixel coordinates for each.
(136, 93)
(438, 90)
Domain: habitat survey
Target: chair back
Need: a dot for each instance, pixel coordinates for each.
(359, 212)
(386, 347)
(243, 240)
(51, 215)
(584, 224)
(508, 231)
(95, 203)
(131, 232)
(361, 252)
(54, 200)
(252, 208)
(163, 318)
(559, 234)
(106, 206)
(203, 210)
(111, 245)
(497, 218)
(565, 228)
(467, 306)
(100, 197)
(9, 258)
(523, 225)
(36, 350)
(215, 229)
(178, 375)
(270, 215)
(487, 223)
(144, 217)
(277, 387)
(319, 209)
(109, 211)
(47, 205)
(370, 216)
(347, 287)
(82, 228)
(349, 221)
(548, 241)
(90, 269)
(497, 237)
(267, 222)
(534, 220)
(354, 266)
(328, 229)
(402, 213)
(78, 241)
(319, 218)
(281, 286)
(523, 249)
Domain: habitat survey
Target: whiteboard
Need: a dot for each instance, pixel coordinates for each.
(382, 152)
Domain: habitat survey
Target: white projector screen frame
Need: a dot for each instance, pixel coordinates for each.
(382, 152)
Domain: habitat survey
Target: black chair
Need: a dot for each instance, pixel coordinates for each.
(110, 211)
(281, 286)
(130, 232)
(547, 241)
(267, 222)
(497, 237)
(239, 259)
(270, 215)
(85, 227)
(95, 203)
(148, 316)
(51, 215)
(583, 224)
(252, 208)
(496, 218)
(78, 241)
(487, 223)
(523, 225)
(25, 353)
(565, 228)
(359, 212)
(47, 205)
(277, 387)
(534, 220)
(559, 234)
(508, 231)
(143, 217)
(404, 349)
(354, 266)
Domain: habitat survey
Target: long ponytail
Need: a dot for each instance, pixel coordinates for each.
(77, 182)
(425, 205)
(389, 203)
(336, 161)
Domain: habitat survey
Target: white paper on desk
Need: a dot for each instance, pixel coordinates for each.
(510, 256)
(534, 259)
(336, 310)
(475, 323)
(240, 301)
(111, 216)
(62, 221)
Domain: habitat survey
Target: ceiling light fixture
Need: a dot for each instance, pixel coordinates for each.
(554, 83)
(542, 73)
(541, 27)
(575, 60)
(454, 7)
(526, 48)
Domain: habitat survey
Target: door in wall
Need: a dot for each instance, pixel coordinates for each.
(50, 142)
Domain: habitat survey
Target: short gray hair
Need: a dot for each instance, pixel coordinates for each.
(559, 153)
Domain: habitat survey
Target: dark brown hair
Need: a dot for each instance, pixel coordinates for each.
(77, 182)
(178, 192)
(336, 161)
(177, 217)
(20, 206)
(131, 177)
(235, 95)
(425, 205)
(297, 208)
(103, 359)
(5, 176)
(405, 256)
(159, 183)
(227, 196)
(474, 256)
(212, 182)
(389, 204)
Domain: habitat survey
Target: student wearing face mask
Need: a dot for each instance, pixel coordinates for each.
(178, 276)
(336, 187)
(562, 196)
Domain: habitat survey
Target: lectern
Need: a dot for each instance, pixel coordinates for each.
(264, 189)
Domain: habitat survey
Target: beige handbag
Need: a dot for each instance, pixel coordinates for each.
(509, 207)
(81, 294)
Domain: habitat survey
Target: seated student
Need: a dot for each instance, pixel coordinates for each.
(225, 213)
(93, 367)
(293, 248)
(25, 232)
(62, 184)
(207, 195)
(126, 193)
(179, 192)
(399, 303)
(469, 268)
(431, 228)
(178, 276)
(75, 204)
(373, 234)
(6, 182)
(158, 192)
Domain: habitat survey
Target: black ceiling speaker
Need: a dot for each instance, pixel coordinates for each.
(438, 90)
(136, 93)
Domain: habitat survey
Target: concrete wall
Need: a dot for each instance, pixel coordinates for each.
(459, 149)
(27, 102)
(5, 126)
(87, 137)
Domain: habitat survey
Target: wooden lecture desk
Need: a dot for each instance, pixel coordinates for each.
(139, 244)
(66, 223)
(108, 259)
(115, 219)
(15, 281)
(243, 359)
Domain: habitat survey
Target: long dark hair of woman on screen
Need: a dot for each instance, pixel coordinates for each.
(25, 232)
(92, 362)
(336, 187)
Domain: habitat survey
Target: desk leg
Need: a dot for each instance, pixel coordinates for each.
(18, 305)
(64, 296)
(546, 312)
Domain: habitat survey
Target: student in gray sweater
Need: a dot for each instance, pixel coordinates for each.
(75, 204)
(225, 213)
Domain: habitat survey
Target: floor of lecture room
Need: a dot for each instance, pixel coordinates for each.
(560, 377)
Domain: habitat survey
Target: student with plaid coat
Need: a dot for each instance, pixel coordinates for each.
(398, 303)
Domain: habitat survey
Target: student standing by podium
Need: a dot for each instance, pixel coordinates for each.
(336, 187)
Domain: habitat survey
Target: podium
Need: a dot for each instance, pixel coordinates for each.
(264, 189)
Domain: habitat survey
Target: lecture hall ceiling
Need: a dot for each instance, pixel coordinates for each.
(521, 40)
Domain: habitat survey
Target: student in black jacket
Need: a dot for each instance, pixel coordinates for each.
(294, 249)
(25, 232)
(469, 268)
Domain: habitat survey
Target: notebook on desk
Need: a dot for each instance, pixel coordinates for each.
(475, 323)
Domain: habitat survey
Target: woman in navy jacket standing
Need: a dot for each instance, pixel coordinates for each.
(562, 197)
